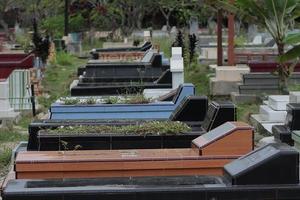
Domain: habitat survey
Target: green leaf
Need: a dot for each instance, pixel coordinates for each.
(292, 39)
(292, 54)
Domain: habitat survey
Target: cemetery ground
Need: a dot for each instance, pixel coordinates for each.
(58, 77)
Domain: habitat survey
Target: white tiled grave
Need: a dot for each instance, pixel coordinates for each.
(272, 112)
(278, 102)
(268, 114)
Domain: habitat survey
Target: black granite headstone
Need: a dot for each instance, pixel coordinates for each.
(272, 164)
(218, 113)
(283, 134)
(292, 119)
(193, 108)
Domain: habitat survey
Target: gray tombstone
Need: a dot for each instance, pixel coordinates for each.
(252, 32)
(194, 25)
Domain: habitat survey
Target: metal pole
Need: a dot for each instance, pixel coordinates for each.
(33, 100)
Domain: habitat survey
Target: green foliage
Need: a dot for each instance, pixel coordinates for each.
(77, 23)
(90, 101)
(24, 40)
(54, 26)
(147, 128)
(11, 136)
(134, 99)
(5, 157)
(41, 45)
(70, 101)
(64, 59)
(111, 100)
(136, 42)
(198, 75)
(137, 99)
(240, 41)
(192, 47)
(245, 110)
(164, 45)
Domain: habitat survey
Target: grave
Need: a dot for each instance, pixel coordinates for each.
(207, 156)
(10, 62)
(226, 79)
(198, 119)
(7, 114)
(283, 133)
(152, 110)
(116, 78)
(146, 46)
(272, 113)
(266, 66)
(259, 83)
(121, 53)
(253, 176)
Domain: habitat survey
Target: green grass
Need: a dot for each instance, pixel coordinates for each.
(88, 46)
(59, 76)
(245, 110)
(164, 45)
(8, 140)
(198, 75)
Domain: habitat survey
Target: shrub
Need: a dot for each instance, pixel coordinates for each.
(63, 58)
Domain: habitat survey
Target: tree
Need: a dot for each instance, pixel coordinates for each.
(166, 7)
(276, 16)
(5, 5)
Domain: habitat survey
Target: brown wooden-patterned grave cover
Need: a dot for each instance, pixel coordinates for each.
(214, 154)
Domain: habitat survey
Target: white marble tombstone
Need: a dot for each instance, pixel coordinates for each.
(177, 67)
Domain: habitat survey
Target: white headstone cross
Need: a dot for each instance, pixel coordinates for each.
(177, 67)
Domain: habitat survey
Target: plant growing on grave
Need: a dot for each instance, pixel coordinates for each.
(70, 101)
(136, 42)
(179, 41)
(41, 45)
(192, 47)
(65, 144)
(146, 128)
(90, 101)
(277, 17)
(137, 99)
(111, 100)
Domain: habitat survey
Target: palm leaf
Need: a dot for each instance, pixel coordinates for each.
(292, 54)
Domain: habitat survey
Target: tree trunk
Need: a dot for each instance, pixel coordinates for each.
(167, 17)
(5, 27)
(168, 22)
(283, 71)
